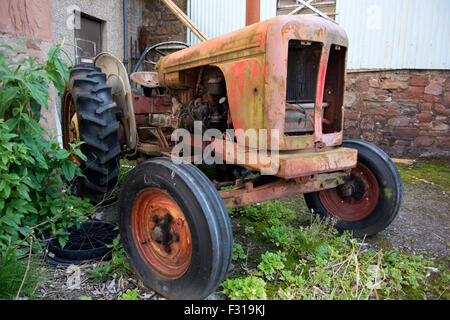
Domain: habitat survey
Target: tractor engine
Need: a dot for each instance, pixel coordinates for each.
(207, 103)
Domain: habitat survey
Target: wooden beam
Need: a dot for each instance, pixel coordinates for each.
(185, 20)
(300, 8)
(320, 13)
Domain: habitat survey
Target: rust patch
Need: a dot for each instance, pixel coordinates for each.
(147, 105)
(280, 189)
(161, 234)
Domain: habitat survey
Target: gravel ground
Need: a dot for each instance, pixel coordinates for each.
(423, 223)
(422, 227)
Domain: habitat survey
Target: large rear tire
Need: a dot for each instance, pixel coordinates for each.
(175, 229)
(371, 198)
(89, 116)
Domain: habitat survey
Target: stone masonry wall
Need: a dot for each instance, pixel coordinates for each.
(26, 26)
(404, 112)
(160, 24)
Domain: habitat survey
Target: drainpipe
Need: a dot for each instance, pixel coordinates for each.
(125, 34)
(253, 12)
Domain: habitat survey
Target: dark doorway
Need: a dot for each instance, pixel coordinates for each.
(88, 39)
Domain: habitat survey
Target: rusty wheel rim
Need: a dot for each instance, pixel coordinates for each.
(354, 200)
(71, 133)
(161, 234)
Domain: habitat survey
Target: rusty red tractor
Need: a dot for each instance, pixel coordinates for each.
(285, 76)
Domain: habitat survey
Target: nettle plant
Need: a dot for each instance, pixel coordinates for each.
(35, 173)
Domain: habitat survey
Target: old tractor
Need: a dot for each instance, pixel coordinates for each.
(284, 77)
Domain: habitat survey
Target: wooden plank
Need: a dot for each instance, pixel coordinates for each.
(297, 10)
(286, 7)
(186, 20)
(327, 8)
(320, 13)
(404, 161)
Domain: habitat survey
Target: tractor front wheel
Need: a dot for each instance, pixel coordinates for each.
(175, 229)
(369, 200)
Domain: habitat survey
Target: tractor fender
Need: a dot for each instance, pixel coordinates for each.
(117, 77)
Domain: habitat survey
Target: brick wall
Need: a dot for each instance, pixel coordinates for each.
(404, 112)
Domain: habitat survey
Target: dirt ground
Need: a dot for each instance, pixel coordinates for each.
(422, 227)
(423, 223)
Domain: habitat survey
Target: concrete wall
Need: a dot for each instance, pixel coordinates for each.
(109, 12)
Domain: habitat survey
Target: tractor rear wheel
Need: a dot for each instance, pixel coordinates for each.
(89, 116)
(175, 229)
(369, 200)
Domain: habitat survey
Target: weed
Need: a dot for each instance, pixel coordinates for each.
(118, 264)
(16, 274)
(130, 295)
(315, 261)
(271, 265)
(251, 288)
(238, 252)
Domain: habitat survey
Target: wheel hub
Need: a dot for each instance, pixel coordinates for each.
(354, 200)
(71, 134)
(161, 233)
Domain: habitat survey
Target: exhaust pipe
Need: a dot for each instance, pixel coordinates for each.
(253, 12)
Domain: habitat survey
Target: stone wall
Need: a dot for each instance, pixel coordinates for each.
(404, 112)
(160, 24)
(26, 26)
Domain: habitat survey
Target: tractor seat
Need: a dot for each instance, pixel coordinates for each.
(146, 79)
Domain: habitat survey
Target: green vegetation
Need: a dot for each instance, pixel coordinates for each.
(12, 273)
(294, 259)
(435, 173)
(238, 252)
(130, 295)
(250, 288)
(117, 265)
(35, 173)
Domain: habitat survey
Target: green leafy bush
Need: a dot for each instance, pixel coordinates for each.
(34, 170)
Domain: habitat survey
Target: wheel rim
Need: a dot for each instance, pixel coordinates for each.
(354, 200)
(71, 133)
(161, 234)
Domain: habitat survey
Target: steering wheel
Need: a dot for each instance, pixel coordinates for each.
(156, 48)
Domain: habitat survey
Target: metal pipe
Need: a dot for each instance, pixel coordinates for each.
(125, 34)
(147, 50)
(253, 12)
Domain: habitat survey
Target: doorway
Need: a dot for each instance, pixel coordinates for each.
(88, 39)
